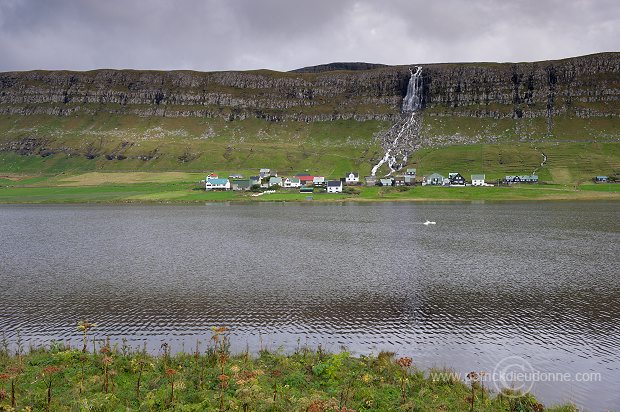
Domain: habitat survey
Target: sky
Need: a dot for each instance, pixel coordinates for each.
(208, 35)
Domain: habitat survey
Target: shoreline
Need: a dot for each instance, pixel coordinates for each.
(564, 197)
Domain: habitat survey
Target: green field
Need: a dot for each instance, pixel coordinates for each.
(187, 190)
(121, 378)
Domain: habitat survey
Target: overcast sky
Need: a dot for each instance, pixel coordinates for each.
(287, 34)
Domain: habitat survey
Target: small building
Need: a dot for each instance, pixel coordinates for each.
(275, 181)
(409, 180)
(456, 179)
(399, 181)
(217, 184)
(306, 189)
(352, 178)
(334, 186)
(255, 180)
(477, 180)
(411, 172)
(601, 179)
(212, 176)
(267, 173)
(235, 176)
(522, 179)
(241, 184)
(306, 180)
(291, 182)
(386, 181)
(434, 179)
(318, 180)
(370, 180)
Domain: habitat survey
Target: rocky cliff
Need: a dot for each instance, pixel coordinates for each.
(581, 87)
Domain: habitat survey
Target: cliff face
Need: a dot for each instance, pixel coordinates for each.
(587, 86)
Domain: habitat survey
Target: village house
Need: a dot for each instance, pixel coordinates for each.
(456, 179)
(477, 180)
(291, 182)
(434, 179)
(275, 181)
(352, 178)
(601, 179)
(306, 180)
(399, 181)
(410, 176)
(212, 176)
(235, 176)
(306, 189)
(334, 186)
(267, 173)
(370, 180)
(318, 180)
(254, 180)
(241, 184)
(522, 179)
(217, 184)
(386, 181)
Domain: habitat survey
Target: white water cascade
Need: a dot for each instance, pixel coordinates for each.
(408, 127)
(413, 100)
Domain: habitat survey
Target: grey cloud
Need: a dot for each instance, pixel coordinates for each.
(282, 35)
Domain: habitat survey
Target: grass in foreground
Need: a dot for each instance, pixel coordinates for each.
(109, 378)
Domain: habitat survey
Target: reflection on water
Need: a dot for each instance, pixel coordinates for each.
(537, 280)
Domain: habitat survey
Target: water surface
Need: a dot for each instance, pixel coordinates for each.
(535, 280)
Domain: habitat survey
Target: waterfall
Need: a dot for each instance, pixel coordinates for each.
(408, 128)
(413, 100)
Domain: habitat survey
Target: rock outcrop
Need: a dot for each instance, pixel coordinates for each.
(587, 86)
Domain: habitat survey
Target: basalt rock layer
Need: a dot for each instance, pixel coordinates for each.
(580, 87)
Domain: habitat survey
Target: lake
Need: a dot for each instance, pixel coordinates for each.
(539, 281)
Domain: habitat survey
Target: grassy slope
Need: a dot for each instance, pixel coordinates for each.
(304, 381)
(185, 148)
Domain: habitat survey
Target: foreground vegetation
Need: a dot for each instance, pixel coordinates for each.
(103, 377)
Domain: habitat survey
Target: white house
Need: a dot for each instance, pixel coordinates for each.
(267, 173)
(334, 186)
(352, 178)
(477, 180)
(387, 181)
(318, 180)
(275, 181)
(217, 184)
(291, 182)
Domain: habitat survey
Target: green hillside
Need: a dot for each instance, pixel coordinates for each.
(45, 145)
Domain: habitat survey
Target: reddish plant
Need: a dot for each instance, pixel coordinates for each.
(48, 375)
(404, 363)
(106, 361)
(170, 373)
(473, 377)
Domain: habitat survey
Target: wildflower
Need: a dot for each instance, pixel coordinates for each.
(366, 378)
(219, 329)
(50, 370)
(234, 368)
(404, 362)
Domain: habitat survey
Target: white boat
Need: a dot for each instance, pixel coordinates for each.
(428, 222)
